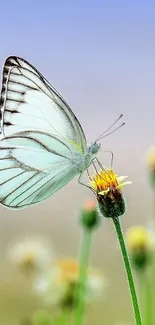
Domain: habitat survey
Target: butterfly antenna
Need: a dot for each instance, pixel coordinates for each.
(110, 127)
(111, 132)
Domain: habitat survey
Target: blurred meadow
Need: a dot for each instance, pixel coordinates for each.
(100, 56)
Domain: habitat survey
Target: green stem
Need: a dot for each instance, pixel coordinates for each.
(135, 304)
(145, 296)
(141, 280)
(148, 301)
(81, 288)
(65, 317)
(153, 271)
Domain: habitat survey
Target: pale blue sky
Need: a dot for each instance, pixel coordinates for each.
(100, 55)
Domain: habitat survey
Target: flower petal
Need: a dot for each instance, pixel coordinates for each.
(123, 184)
(121, 178)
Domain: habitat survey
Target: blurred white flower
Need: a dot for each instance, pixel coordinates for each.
(58, 285)
(31, 254)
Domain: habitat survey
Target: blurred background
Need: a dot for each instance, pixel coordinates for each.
(100, 55)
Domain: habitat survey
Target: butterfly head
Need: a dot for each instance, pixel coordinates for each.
(94, 148)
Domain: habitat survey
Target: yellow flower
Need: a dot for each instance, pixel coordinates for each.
(141, 245)
(58, 286)
(108, 188)
(107, 181)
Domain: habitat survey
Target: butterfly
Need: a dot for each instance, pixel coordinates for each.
(42, 146)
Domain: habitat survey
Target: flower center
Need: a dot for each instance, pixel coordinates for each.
(105, 180)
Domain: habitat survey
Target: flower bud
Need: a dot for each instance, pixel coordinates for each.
(89, 216)
(141, 244)
(111, 204)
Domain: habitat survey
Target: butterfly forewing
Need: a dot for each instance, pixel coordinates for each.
(29, 102)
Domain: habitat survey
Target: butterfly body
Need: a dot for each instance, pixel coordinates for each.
(83, 161)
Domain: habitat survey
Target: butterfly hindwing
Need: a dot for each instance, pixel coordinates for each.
(30, 171)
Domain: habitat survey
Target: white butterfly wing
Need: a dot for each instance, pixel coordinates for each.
(31, 170)
(29, 102)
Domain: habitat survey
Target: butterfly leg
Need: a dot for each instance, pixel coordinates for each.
(81, 183)
(90, 178)
(100, 165)
(112, 157)
(98, 162)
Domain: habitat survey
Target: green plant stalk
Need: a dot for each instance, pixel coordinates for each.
(81, 288)
(141, 285)
(148, 301)
(65, 318)
(153, 268)
(135, 304)
(145, 297)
